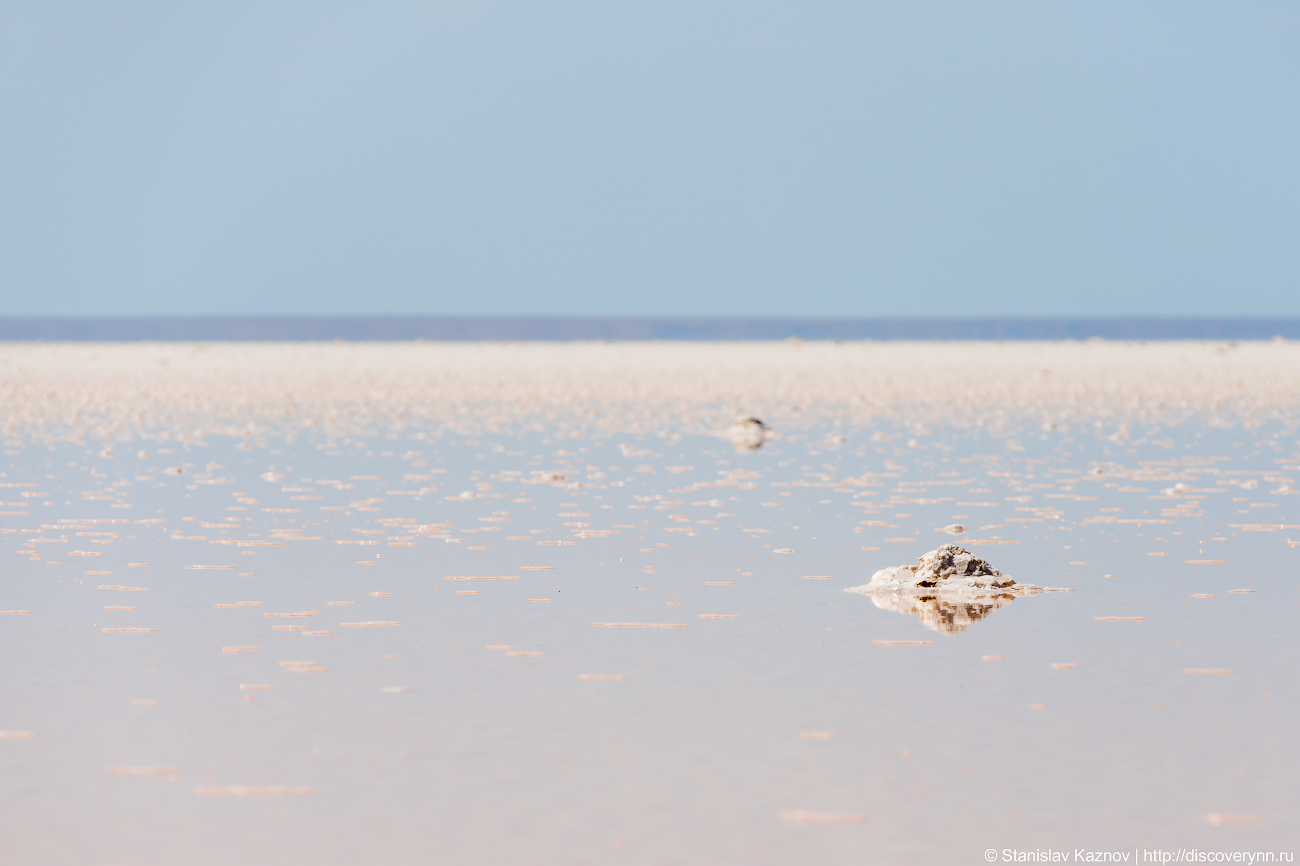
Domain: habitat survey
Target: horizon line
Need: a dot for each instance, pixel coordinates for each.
(558, 328)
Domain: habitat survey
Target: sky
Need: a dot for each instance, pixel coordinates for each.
(649, 158)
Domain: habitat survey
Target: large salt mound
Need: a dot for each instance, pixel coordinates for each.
(946, 569)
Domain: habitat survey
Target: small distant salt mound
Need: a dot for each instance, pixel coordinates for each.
(748, 434)
(954, 529)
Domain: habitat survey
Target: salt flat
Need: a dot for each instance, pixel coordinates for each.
(467, 603)
(132, 389)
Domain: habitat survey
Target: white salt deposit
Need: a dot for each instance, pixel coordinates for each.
(945, 569)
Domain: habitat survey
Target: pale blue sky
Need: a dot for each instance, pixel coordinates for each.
(665, 158)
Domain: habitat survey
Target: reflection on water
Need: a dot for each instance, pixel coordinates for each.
(948, 615)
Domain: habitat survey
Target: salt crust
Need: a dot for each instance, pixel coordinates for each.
(187, 391)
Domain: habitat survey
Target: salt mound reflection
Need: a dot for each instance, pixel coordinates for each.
(948, 614)
(949, 589)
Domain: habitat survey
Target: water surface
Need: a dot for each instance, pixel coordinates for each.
(584, 647)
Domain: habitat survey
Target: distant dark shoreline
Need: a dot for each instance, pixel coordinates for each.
(560, 328)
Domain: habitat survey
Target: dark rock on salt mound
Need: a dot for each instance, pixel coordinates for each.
(951, 561)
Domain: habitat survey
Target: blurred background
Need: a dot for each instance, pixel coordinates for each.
(748, 158)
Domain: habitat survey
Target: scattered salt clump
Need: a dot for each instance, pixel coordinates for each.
(748, 434)
(954, 529)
